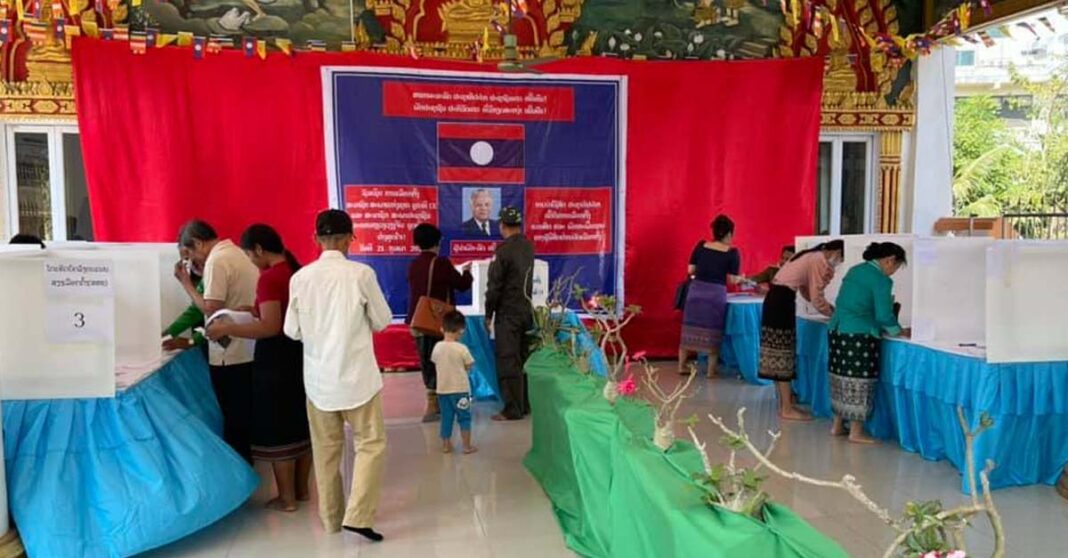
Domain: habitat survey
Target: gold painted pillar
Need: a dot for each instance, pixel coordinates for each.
(889, 180)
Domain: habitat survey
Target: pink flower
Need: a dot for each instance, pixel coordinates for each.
(638, 355)
(593, 302)
(957, 554)
(932, 554)
(628, 386)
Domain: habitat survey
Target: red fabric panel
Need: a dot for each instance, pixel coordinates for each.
(236, 141)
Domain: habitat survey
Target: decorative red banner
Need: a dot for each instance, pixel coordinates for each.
(569, 221)
(383, 217)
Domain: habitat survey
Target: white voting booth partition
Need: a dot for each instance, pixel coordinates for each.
(480, 272)
(854, 252)
(1027, 301)
(949, 290)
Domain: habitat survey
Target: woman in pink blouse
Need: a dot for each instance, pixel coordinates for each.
(807, 273)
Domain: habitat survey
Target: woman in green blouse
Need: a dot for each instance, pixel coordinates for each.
(193, 317)
(864, 312)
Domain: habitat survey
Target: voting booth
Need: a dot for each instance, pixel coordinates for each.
(949, 290)
(854, 252)
(480, 272)
(1027, 301)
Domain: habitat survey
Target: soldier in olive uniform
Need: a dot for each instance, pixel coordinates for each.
(508, 308)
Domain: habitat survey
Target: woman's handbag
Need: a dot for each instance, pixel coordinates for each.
(429, 312)
(680, 294)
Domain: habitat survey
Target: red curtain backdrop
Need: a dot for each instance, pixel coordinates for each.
(236, 141)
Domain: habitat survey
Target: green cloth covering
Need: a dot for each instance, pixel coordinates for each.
(189, 319)
(615, 494)
(865, 303)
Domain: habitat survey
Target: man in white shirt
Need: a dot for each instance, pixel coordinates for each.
(334, 307)
(229, 283)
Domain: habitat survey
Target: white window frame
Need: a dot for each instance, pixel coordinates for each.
(56, 173)
(871, 157)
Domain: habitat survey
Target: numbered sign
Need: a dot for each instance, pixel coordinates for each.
(79, 322)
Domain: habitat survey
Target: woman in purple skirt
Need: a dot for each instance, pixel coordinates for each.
(712, 265)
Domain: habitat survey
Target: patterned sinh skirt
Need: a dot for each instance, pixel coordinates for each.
(778, 331)
(854, 368)
(704, 317)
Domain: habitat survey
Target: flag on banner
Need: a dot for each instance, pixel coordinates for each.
(113, 5)
(57, 10)
(138, 42)
(348, 46)
(987, 40)
(20, 11)
(91, 29)
(61, 31)
(970, 39)
(316, 45)
(107, 34)
(213, 46)
(37, 9)
(3, 11)
(248, 44)
(199, 47)
(481, 153)
(151, 38)
(1029, 27)
(165, 39)
(1004, 30)
(220, 42)
(122, 33)
(36, 31)
(185, 38)
(135, 3)
(5, 31)
(1049, 24)
(284, 45)
(261, 49)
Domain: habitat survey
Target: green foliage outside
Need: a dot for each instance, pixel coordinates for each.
(998, 170)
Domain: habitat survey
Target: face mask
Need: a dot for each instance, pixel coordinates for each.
(835, 262)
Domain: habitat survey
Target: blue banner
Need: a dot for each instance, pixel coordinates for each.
(450, 148)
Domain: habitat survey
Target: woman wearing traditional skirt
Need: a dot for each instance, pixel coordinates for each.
(280, 433)
(712, 265)
(864, 313)
(807, 273)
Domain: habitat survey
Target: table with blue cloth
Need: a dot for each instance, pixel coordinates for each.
(920, 388)
(483, 374)
(112, 477)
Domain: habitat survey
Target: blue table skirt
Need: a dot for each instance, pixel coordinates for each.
(920, 389)
(119, 476)
(483, 374)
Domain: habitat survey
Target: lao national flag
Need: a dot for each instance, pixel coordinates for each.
(481, 153)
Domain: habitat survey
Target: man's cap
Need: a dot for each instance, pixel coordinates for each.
(511, 216)
(333, 222)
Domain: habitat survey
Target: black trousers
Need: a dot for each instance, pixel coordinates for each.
(425, 346)
(512, 346)
(233, 391)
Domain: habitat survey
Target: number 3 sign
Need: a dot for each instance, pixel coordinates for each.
(79, 322)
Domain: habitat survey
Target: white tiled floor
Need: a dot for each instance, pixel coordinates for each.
(486, 505)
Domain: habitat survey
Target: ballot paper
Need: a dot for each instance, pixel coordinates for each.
(220, 346)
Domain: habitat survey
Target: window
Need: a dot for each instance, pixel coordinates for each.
(45, 181)
(844, 181)
(965, 57)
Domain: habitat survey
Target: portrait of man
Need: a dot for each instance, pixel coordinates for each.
(478, 215)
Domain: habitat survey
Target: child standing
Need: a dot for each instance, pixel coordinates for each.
(453, 360)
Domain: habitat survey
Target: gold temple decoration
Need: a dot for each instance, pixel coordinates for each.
(853, 103)
(48, 91)
(464, 21)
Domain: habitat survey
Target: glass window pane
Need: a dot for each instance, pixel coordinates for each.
(854, 186)
(79, 220)
(32, 182)
(823, 188)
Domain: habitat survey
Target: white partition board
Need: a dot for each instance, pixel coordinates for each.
(138, 322)
(480, 272)
(173, 298)
(949, 290)
(30, 366)
(1027, 301)
(854, 251)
